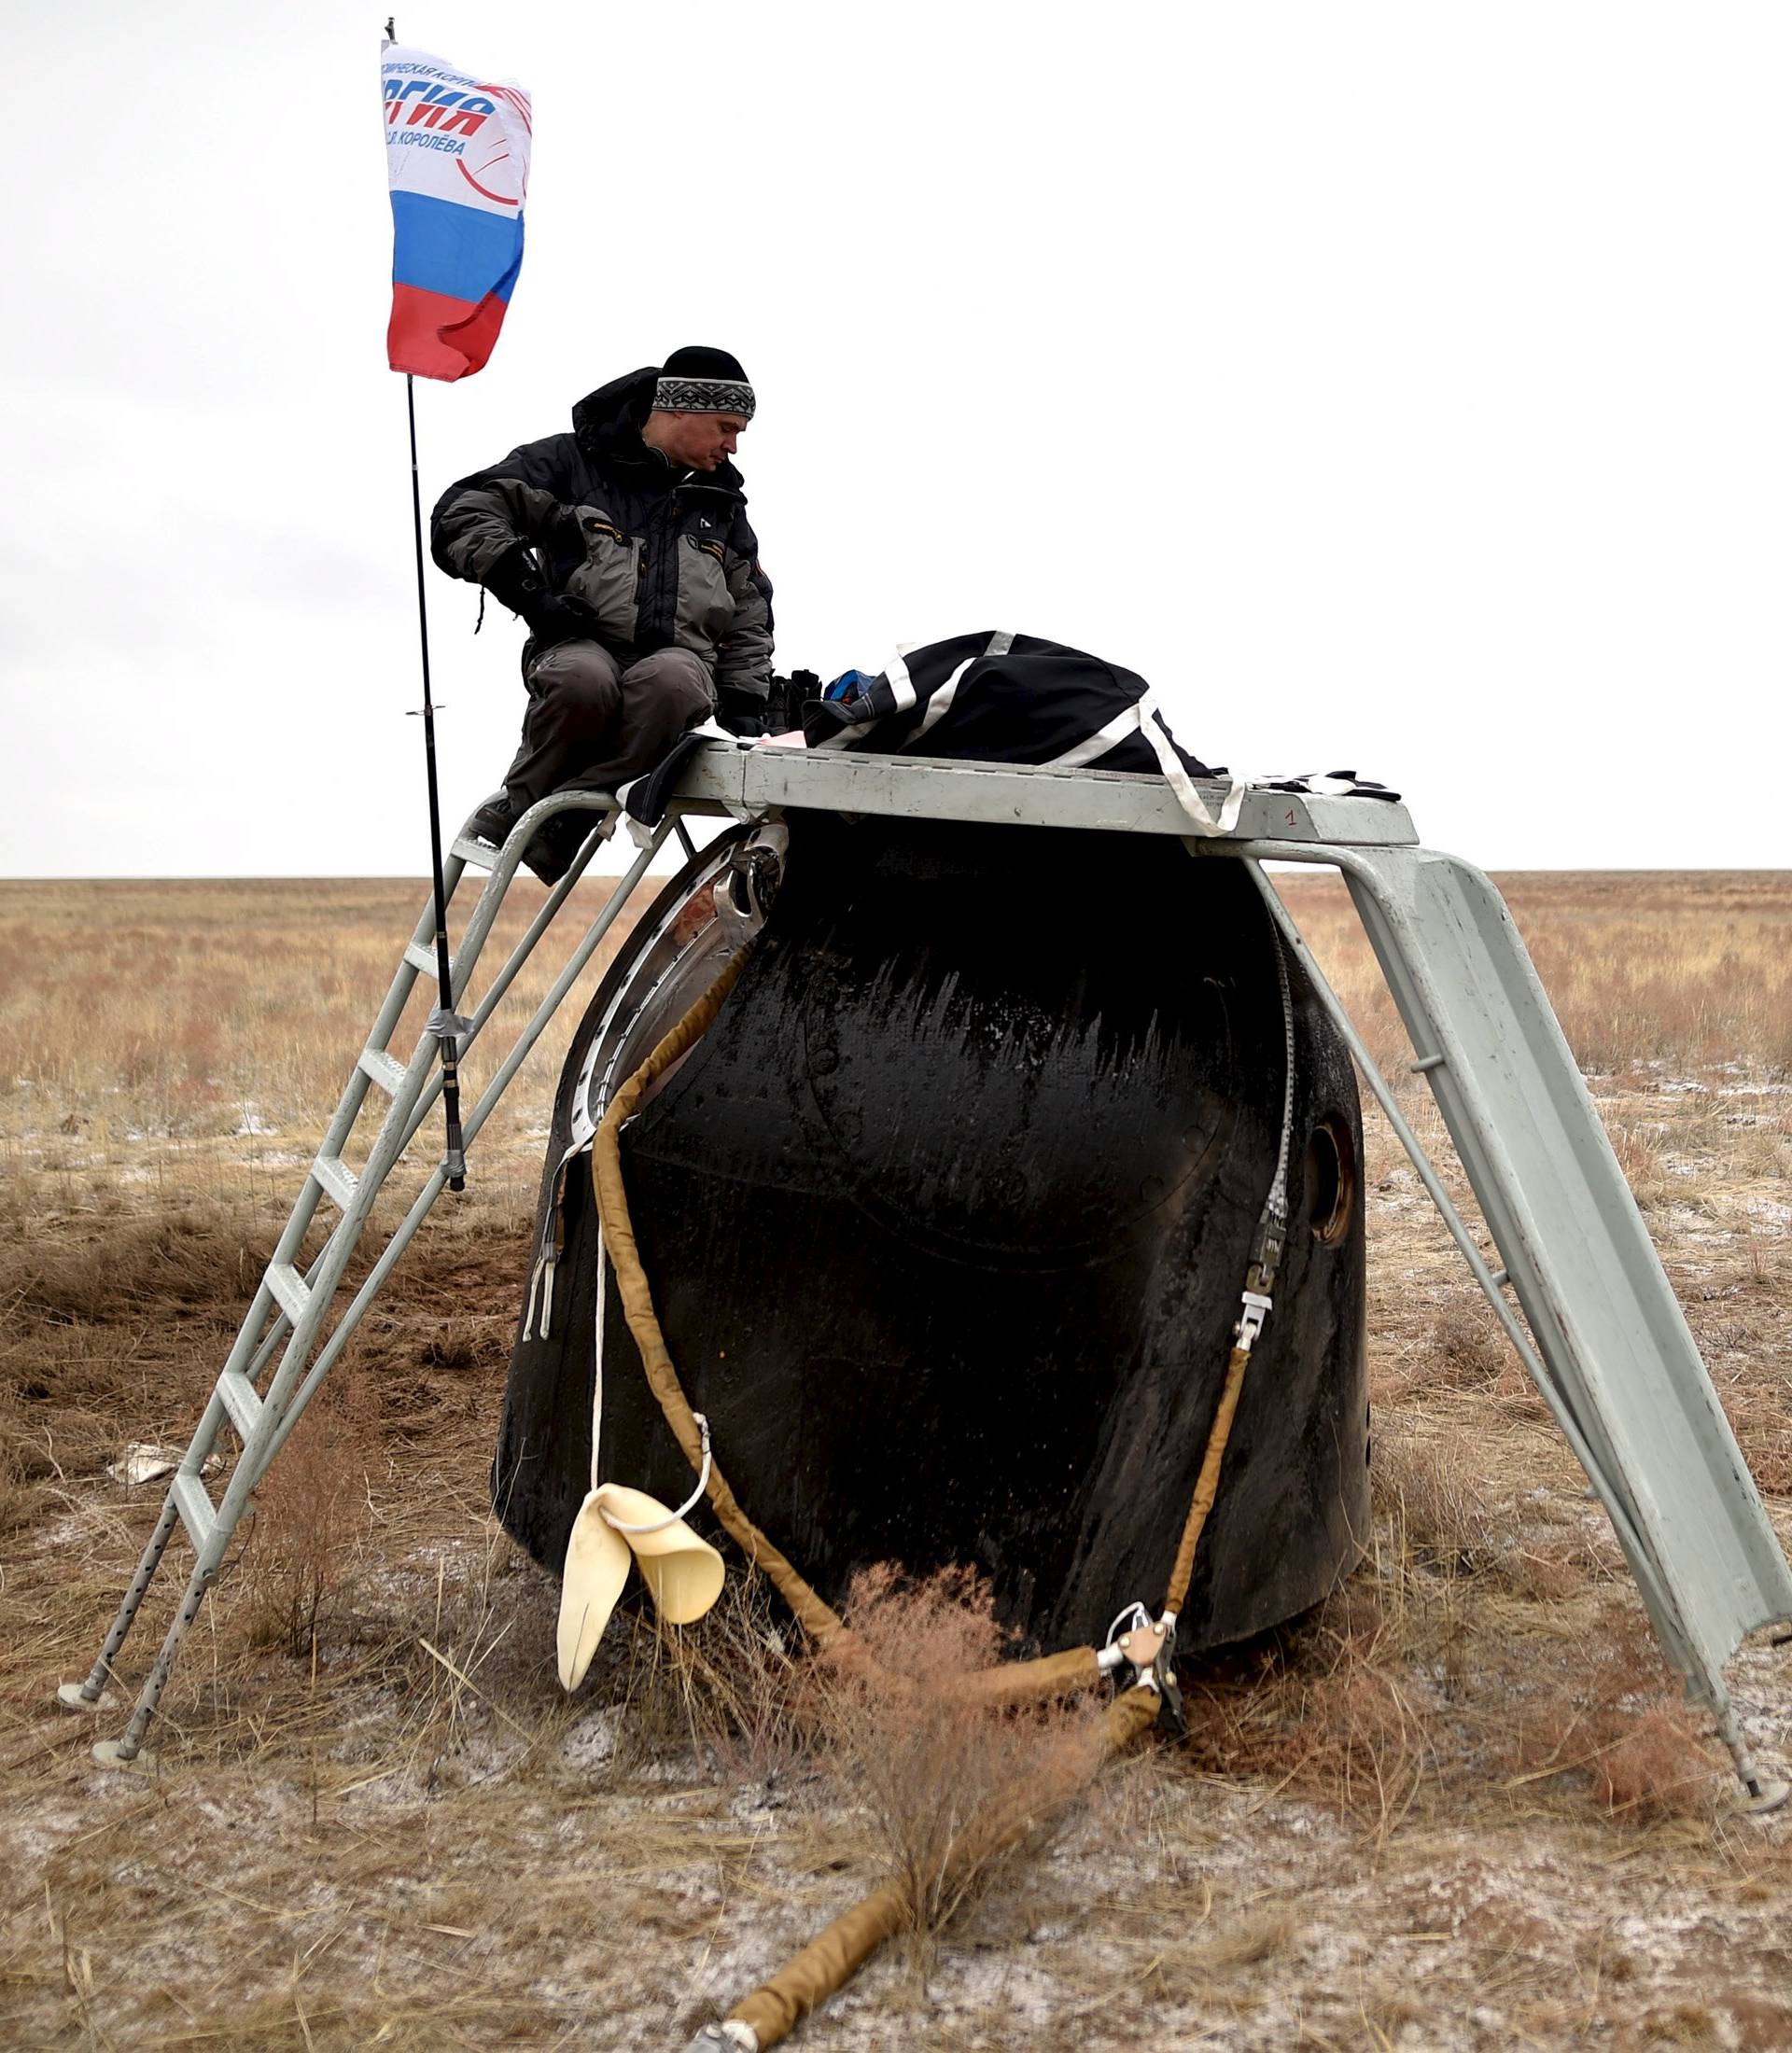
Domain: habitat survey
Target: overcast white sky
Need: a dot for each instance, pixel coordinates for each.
(1397, 386)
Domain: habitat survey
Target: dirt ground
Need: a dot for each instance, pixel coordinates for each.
(1460, 1806)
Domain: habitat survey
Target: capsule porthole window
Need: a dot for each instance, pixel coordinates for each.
(1331, 1180)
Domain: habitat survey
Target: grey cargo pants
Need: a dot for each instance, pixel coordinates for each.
(592, 722)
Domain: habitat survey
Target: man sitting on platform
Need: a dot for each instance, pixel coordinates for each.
(626, 548)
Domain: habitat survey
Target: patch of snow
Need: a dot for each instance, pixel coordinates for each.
(592, 1742)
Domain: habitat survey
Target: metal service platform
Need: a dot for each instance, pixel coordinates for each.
(1601, 1334)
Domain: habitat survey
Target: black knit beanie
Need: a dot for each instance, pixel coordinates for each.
(703, 381)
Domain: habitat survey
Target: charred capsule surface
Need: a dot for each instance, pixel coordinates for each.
(946, 1220)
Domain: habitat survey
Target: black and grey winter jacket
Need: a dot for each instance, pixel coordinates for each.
(665, 557)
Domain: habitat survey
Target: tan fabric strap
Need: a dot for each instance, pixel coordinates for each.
(819, 1620)
(833, 1956)
(1207, 1483)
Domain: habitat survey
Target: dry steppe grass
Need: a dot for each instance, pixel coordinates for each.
(1459, 1806)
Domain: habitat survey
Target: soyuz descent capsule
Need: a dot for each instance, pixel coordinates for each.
(946, 1220)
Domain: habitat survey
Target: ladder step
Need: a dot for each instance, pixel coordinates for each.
(338, 1180)
(197, 1510)
(240, 1401)
(290, 1290)
(420, 957)
(386, 1071)
(476, 854)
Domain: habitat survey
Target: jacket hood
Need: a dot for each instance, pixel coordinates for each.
(609, 422)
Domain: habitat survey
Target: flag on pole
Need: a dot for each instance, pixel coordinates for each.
(458, 163)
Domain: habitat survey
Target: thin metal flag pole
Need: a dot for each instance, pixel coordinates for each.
(444, 1023)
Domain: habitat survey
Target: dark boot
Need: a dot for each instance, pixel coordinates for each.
(493, 822)
(555, 843)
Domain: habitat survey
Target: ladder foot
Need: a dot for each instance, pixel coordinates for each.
(1764, 1795)
(70, 1695)
(110, 1753)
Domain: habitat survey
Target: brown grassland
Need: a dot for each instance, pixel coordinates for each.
(1459, 1806)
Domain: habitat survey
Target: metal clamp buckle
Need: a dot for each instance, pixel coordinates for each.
(1257, 1307)
(1148, 1648)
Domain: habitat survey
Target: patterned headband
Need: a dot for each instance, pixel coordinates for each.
(704, 396)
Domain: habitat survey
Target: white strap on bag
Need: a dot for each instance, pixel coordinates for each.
(1094, 746)
(1176, 775)
(940, 704)
(902, 689)
(1142, 717)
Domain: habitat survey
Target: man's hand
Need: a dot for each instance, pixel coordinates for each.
(515, 580)
(740, 712)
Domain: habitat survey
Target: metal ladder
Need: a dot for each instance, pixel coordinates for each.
(291, 1309)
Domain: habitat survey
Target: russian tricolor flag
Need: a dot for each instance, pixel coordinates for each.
(457, 163)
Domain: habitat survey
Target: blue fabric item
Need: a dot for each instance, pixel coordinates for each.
(847, 685)
(462, 253)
